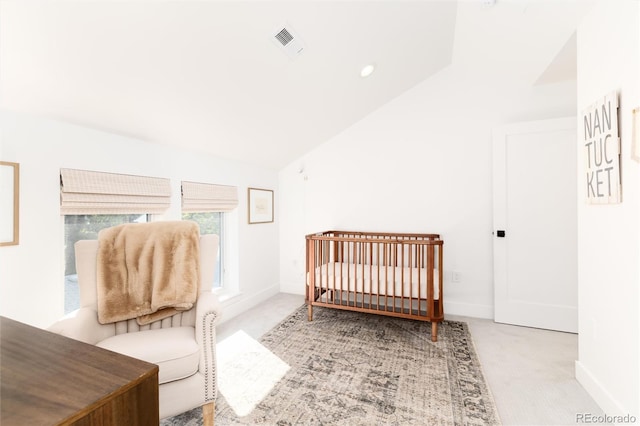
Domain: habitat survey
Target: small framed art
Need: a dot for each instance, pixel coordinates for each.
(260, 205)
(10, 203)
(635, 137)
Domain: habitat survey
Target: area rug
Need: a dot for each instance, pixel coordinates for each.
(349, 368)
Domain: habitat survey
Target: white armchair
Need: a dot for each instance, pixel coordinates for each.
(183, 346)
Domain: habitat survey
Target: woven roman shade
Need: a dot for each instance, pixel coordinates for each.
(206, 197)
(88, 192)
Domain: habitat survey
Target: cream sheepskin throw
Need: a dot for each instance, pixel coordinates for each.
(147, 271)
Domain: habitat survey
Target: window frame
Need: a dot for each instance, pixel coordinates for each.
(222, 268)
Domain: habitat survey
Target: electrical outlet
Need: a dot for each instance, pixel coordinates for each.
(455, 277)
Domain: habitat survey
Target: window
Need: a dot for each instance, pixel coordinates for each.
(91, 201)
(86, 227)
(211, 223)
(207, 204)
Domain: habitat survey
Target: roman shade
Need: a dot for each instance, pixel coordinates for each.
(89, 192)
(206, 197)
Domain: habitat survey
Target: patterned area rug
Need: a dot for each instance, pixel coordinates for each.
(348, 368)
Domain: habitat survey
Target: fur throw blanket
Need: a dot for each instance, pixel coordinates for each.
(147, 271)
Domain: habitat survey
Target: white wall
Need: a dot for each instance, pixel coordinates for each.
(421, 163)
(32, 273)
(608, 235)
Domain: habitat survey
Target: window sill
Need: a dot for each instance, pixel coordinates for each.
(225, 295)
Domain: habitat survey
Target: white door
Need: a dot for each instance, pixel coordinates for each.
(535, 224)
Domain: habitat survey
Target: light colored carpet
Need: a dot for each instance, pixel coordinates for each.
(347, 368)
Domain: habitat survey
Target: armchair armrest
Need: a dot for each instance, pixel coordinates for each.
(208, 303)
(207, 315)
(82, 324)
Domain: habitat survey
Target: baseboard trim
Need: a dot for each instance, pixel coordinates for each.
(599, 394)
(468, 310)
(234, 306)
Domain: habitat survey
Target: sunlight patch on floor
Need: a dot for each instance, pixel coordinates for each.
(247, 371)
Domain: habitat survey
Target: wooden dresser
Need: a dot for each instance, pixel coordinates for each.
(47, 379)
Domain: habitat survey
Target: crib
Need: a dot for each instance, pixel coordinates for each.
(390, 274)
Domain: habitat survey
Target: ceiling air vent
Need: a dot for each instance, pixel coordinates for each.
(286, 39)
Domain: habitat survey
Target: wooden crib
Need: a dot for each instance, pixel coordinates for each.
(398, 275)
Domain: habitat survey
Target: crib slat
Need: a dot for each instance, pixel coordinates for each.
(386, 277)
(351, 260)
(395, 268)
(410, 248)
(402, 286)
(378, 248)
(332, 257)
(368, 263)
(361, 264)
(418, 258)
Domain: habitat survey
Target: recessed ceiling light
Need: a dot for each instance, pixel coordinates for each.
(367, 70)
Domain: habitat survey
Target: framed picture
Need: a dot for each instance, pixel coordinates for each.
(602, 151)
(635, 137)
(9, 203)
(260, 205)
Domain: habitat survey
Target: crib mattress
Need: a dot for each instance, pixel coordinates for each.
(377, 280)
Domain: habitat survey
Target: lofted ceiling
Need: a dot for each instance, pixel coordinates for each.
(206, 75)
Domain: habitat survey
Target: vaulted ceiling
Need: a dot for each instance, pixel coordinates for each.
(208, 75)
